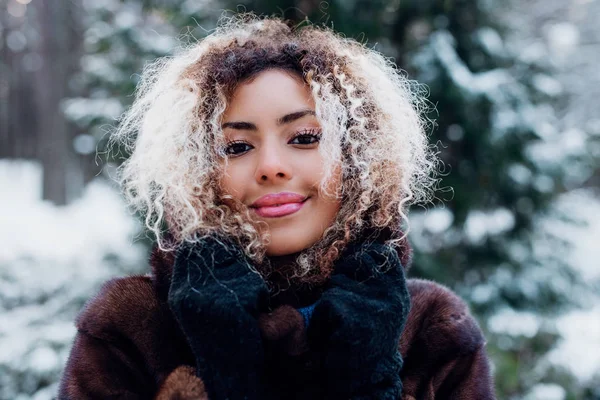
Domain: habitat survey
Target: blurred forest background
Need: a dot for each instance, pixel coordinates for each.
(515, 232)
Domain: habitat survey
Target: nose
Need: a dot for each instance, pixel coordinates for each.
(272, 165)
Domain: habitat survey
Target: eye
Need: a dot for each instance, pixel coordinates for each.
(307, 136)
(237, 148)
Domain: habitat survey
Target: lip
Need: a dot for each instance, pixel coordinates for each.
(278, 204)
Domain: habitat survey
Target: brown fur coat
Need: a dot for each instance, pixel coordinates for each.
(128, 346)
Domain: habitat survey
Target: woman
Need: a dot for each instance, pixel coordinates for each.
(275, 166)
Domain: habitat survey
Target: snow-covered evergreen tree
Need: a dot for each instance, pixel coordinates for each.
(120, 37)
(502, 240)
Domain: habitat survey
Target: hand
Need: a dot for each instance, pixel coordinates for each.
(358, 321)
(216, 299)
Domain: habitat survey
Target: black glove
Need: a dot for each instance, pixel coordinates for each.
(216, 300)
(358, 321)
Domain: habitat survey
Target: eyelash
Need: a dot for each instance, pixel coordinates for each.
(314, 133)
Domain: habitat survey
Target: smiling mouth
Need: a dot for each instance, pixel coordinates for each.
(280, 210)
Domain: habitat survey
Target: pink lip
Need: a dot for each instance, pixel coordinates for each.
(278, 204)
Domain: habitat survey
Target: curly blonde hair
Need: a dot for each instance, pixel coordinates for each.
(372, 119)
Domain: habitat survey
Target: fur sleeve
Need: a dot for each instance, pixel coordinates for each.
(124, 350)
(467, 377)
(98, 370)
(443, 348)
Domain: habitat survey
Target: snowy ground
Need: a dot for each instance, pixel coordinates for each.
(53, 259)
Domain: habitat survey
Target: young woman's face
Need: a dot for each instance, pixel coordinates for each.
(274, 166)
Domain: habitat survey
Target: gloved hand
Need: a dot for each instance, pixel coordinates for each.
(216, 299)
(358, 321)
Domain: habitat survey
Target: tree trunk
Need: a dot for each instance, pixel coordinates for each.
(60, 182)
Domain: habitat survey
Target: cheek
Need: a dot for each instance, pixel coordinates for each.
(232, 183)
(330, 200)
(312, 168)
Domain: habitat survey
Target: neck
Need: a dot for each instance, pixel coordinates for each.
(284, 288)
(283, 263)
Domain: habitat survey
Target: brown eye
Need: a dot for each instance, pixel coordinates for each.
(237, 148)
(307, 137)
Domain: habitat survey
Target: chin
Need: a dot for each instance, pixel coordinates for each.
(284, 249)
(291, 239)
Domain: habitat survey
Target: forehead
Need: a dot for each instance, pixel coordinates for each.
(271, 93)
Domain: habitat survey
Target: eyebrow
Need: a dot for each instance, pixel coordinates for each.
(286, 119)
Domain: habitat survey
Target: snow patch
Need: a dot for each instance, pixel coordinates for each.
(479, 225)
(547, 84)
(83, 110)
(438, 220)
(546, 391)
(578, 348)
(563, 38)
(491, 40)
(515, 323)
